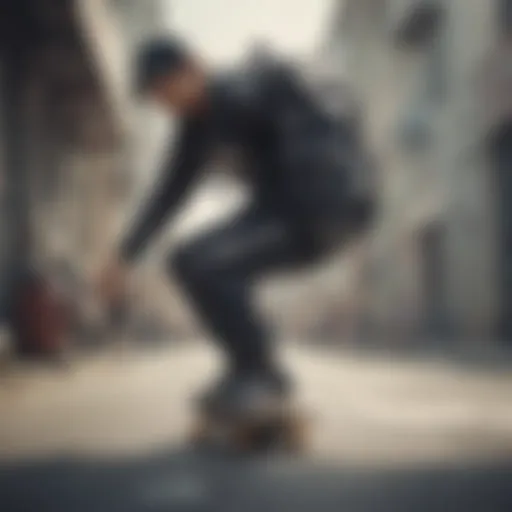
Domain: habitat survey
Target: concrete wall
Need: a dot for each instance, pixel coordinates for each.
(438, 172)
(73, 125)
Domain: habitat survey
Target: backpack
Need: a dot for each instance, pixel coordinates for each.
(326, 132)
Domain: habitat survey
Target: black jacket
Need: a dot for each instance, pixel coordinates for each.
(295, 156)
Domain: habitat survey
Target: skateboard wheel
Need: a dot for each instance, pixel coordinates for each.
(199, 432)
(296, 435)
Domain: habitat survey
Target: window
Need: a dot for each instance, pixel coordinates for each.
(416, 123)
(433, 267)
(415, 22)
(505, 16)
(414, 128)
(435, 73)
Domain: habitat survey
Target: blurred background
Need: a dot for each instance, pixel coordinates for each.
(404, 344)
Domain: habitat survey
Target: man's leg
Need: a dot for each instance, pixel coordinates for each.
(217, 271)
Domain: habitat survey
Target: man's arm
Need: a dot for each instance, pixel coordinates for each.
(172, 186)
(286, 87)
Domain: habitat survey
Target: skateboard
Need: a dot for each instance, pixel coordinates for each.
(281, 429)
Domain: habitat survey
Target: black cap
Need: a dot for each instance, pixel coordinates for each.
(157, 58)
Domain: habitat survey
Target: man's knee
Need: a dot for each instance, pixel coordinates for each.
(182, 264)
(192, 264)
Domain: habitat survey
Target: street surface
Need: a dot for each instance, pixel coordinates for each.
(388, 434)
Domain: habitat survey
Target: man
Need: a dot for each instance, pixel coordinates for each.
(303, 206)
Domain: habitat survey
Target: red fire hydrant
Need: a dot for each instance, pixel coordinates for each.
(40, 317)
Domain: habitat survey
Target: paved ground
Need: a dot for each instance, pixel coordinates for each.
(388, 435)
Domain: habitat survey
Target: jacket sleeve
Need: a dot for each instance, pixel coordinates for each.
(178, 175)
(286, 90)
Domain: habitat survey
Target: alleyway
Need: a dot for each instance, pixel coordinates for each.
(106, 435)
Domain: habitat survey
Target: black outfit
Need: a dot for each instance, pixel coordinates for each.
(297, 162)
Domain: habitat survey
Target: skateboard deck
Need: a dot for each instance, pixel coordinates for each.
(284, 429)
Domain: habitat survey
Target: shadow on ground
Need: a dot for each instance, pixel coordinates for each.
(190, 481)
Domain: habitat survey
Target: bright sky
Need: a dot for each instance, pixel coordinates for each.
(224, 29)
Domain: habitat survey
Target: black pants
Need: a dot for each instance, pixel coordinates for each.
(217, 271)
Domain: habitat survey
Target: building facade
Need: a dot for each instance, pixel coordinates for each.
(434, 79)
(66, 121)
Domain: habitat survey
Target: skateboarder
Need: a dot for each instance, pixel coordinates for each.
(300, 166)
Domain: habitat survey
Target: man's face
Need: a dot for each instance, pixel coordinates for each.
(181, 91)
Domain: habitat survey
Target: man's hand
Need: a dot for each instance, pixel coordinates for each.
(112, 282)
